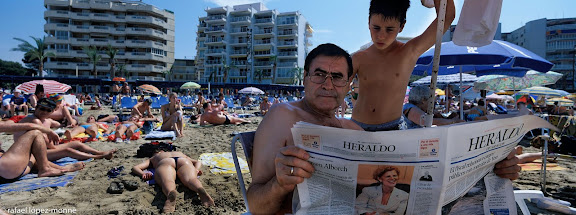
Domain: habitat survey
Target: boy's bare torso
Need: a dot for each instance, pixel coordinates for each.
(383, 77)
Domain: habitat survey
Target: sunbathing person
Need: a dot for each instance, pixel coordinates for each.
(169, 166)
(29, 151)
(265, 106)
(97, 104)
(73, 149)
(201, 100)
(61, 114)
(127, 128)
(90, 127)
(143, 110)
(173, 116)
(216, 117)
(477, 112)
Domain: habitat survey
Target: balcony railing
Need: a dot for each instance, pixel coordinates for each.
(263, 20)
(241, 19)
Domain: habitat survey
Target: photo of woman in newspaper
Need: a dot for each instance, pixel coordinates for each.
(387, 196)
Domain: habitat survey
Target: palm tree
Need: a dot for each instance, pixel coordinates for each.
(169, 72)
(258, 75)
(226, 69)
(111, 52)
(122, 70)
(35, 52)
(298, 73)
(93, 57)
(274, 60)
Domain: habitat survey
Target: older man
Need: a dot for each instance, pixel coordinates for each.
(278, 165)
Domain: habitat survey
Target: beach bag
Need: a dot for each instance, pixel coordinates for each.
(148, 149)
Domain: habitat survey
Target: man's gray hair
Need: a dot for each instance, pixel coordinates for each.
(418, 94)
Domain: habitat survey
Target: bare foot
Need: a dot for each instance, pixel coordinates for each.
(50, 172)
(170, 204)
(74, 167)
(109, 155)
(206, 200)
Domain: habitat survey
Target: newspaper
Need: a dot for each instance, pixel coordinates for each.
(421, 169)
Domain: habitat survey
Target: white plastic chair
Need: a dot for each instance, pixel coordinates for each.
(247, 141)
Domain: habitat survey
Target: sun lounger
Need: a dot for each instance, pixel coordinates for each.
(232, 106)
(247, 141)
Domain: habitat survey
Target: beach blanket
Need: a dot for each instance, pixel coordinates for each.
(222, 163)
(537, 165)
(32, 182)
(160, 135)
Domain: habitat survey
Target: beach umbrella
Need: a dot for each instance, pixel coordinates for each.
(540, 91)
(190, 85)
(119, 79)
(440, 92)
(147, 88)
(499, 57)
(50, 86)
(526, 99)
(251, 90)
(561, 102)
(503, 82)
(447, 79)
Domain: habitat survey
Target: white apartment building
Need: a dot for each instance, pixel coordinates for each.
(183, 70)
(143, 35)
(254, 44)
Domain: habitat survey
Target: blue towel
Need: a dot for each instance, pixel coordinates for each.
(32, 182)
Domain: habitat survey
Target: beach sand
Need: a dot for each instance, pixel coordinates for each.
(87, 191)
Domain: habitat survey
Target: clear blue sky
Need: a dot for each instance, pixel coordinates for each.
(342, 22)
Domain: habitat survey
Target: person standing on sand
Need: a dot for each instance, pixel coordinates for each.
(169, 166)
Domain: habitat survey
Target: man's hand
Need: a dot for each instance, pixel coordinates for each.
(52, 136)
(508, 168)
(292, 167)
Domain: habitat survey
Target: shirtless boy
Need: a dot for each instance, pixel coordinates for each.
(169, 166)
(385, 67)
(61, 113)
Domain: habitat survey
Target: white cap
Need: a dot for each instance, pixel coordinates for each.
(17, 91)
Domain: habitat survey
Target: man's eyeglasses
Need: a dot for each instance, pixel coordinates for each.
(337, 79)
(45, 109)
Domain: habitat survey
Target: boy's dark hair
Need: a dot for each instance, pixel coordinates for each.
(39, 89)
(328, 50)
(205, 105)
(395, 9)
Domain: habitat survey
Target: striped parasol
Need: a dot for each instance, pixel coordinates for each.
(50, 86)
(541, 91)
(190, 85)
(147, 88)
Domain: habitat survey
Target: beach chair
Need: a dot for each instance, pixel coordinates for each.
(127, 103)
(232, 106)
(247, 141)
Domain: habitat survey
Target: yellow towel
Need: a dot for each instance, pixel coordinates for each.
(222, 163)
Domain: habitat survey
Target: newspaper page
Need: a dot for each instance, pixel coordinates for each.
(409, 171)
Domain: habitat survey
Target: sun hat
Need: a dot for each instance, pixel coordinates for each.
(55, 97)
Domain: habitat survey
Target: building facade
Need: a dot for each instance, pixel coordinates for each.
(553, 39)
(251, 44)
(183, 70)
(143, 35)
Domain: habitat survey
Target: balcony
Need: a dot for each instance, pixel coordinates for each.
(237, 74)
(264, 21)
(287, 44)
(213, 29)
(102, 5)
(266, 53)
(241, 20)
(214, 52)
(288, 64)
(57, 14)
(289, 54)
(59, 65)
(239, 42)
(239, 63)
(57, 2)
(215, 41)
(263, 44)
(286, 22)
(287, 33)
(215, 18)
(81, 16)
(102, 17)
(100, 29)
(239, 53)
(239, 31)
(213, 62)
(99, 42)
(81, 29)
(56, 27)
(263, 64)
(264, 33)
(53, 40)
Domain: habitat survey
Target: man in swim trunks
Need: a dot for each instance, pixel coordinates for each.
(73, 149)
(169, 166)
(216, 117)
(29, 151)
(385, 67)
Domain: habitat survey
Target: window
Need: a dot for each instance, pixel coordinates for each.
(62, 35)
(61, 47)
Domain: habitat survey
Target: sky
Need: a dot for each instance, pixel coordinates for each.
(342, 22)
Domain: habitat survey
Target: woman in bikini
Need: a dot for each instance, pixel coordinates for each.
(172, 116)
(477, 112)
(90, 127)
(127, 128)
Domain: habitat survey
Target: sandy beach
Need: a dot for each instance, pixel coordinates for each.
(87, 191)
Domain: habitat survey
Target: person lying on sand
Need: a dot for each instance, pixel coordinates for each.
(90, 127)
(169, 166)
(173, 116)
(73, 149)
(127, 128)
(216, 117)
(28, 152)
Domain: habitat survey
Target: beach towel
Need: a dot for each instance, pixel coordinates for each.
(246, 115)
(222, 163)
(478, 23)
(537, 165)
(160, 135)
(32, 182)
